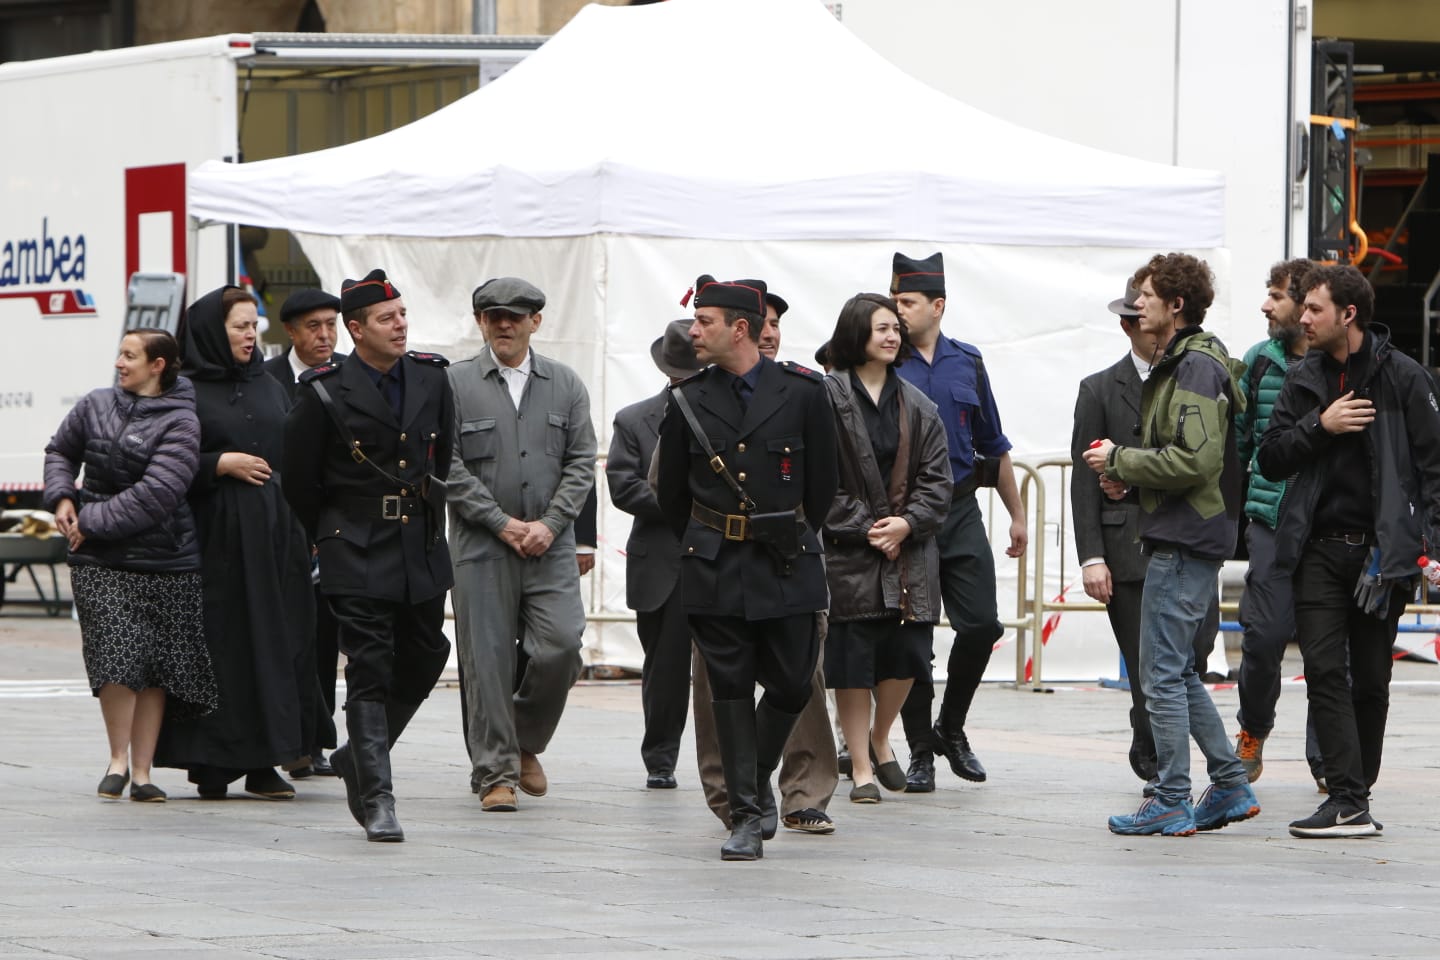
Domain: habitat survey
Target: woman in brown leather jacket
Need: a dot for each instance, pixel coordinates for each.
(881, 559)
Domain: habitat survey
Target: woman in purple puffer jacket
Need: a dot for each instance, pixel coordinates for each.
(134, 555)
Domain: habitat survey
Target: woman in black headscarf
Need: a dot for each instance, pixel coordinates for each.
(255, 566)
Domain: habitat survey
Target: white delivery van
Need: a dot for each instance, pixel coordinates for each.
(92, 185)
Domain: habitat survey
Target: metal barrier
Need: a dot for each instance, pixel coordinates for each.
(1031, 605)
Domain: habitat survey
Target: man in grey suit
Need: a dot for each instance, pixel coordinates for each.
(524, 463)
(1107, 531)
(652, 563)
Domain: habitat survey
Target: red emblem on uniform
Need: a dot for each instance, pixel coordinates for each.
(785, 467)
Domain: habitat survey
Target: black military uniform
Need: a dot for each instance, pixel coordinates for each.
(384, 561)
(752, 613)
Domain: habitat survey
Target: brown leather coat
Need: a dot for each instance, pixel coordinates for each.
(863, 584)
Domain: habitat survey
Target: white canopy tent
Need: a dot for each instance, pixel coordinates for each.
(642, 146)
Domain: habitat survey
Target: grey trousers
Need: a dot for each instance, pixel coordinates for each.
(809, 772)
(494, 598)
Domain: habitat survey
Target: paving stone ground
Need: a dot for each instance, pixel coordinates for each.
(1019, 867)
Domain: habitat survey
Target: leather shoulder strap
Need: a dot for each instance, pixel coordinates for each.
(716, 463)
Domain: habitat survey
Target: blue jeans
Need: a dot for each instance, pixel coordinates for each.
(1179, 589)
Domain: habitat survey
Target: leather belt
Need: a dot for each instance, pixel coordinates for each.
(735, 526)
(1363, 538)
(390, 507)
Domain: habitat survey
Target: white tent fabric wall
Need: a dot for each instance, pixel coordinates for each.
(1038, 316)
(619, 161)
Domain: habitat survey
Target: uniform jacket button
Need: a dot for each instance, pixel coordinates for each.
(404, 518)
(687, 549)
(740, 448)
(402, 464)
(787, 449)
(741, 477)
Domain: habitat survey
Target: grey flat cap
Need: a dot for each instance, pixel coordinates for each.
(508, 293)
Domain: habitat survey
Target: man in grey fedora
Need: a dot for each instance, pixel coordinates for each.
(652, 563)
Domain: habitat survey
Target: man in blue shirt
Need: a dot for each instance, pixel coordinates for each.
(952, 374)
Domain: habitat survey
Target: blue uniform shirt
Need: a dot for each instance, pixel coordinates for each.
(967, 407)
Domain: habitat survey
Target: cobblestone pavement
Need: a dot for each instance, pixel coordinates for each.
(1021, 866)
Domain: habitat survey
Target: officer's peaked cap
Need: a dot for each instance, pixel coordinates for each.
(918, 276)
(746, 295)
(355, 294)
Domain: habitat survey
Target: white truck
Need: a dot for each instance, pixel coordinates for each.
(92, 186)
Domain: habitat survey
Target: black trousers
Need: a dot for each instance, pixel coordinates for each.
(779, 654)
(395, 651)
(327, 657)
(967, 587)
(664, 681)
(1349, 712)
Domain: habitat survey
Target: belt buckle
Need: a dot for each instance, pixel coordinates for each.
(1354, 539)
(390, 507)
(734, 523)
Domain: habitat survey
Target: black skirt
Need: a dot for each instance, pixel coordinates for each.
(861, 653)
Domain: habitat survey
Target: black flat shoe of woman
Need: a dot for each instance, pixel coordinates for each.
(113, 785)
(268, 785)
(146, 793)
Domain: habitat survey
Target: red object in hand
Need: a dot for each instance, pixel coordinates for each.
(1095, 443)
(1431, 571)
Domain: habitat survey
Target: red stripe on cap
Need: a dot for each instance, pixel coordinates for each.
(717, 283)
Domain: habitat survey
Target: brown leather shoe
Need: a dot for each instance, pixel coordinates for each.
(499, 799)
(532, 775)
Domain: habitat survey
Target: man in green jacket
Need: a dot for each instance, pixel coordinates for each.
(1188, 476)
(1267, 609)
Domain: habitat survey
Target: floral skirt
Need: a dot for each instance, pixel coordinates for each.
(144, 630)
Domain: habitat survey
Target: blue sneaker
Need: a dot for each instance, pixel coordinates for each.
(1156, 816)
(1221, 805)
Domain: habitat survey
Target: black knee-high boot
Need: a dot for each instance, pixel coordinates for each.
(735, 730)
(369, 760)
(772, 732)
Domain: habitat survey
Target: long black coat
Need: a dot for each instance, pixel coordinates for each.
(782, 450)
(364, 556)
(255, 564)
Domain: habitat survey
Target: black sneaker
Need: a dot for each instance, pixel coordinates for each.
(1335, 819)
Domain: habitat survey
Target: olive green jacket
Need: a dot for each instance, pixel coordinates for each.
(1186, 469)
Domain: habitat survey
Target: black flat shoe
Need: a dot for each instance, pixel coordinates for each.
(660, 781)
(865, 793)
(112, 787)
(267, 785)
(146, 793)
(320, 765)
(889, 773)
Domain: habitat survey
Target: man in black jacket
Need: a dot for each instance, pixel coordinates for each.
(357, 456)
(751, 581)
(309, 317)
(1357, 426)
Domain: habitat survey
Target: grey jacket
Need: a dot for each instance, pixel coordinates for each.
(863, 584)
(140, 455)
(1108, 405)
(537, 463)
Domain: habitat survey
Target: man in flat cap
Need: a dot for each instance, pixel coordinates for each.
(309, 317)
(367, 449)
(524, 462)
(652, 561)
(751, 574)
(952, 374)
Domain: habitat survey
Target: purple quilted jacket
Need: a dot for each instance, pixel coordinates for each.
(139, 455)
